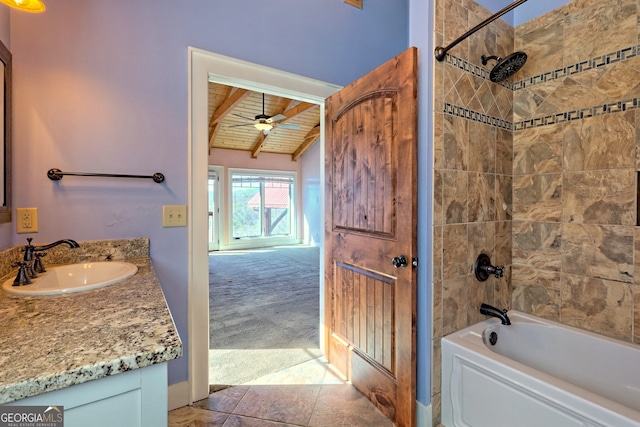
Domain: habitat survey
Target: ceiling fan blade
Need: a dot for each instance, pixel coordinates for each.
(276, 118)
(287, 126)
(243, 117)
(244, 124)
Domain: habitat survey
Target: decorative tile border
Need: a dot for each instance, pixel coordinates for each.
(583, 113)
(568, 116)
(597, 62)
(455, 110)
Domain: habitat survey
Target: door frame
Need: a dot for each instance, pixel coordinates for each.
(204, 67)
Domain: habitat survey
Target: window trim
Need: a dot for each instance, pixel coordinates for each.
(262, 241)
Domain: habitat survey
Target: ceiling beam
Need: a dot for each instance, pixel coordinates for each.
(232, 99)
(298, 109)
(212, 135)
(309, 139)
(258, 145)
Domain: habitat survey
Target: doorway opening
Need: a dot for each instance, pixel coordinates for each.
(264, 280)
(207, 67)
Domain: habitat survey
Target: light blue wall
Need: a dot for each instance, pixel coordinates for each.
(420, 36)
(323, 39)
(101, 86)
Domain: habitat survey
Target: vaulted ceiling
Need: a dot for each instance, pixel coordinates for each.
(232, 119)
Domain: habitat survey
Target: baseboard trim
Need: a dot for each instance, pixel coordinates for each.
(178, 395)
(423, 415)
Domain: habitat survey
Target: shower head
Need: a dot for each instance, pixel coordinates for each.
(506, 67)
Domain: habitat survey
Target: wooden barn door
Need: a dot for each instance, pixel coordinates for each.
(371, 234)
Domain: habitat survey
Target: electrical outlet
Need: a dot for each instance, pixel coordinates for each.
(174, 216)
(26, 220)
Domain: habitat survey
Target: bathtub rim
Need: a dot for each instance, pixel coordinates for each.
(469, 344)
(476, 330)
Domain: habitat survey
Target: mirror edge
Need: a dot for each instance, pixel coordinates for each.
(5, 56)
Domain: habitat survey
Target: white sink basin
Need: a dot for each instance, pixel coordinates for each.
(74, 278)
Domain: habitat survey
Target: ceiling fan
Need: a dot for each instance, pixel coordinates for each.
(265, 123)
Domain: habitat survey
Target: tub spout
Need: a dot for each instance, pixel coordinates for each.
(489, 310)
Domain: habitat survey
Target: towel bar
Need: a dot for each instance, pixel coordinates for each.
(57, 174)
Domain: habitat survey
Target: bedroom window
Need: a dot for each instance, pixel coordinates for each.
(262, 204)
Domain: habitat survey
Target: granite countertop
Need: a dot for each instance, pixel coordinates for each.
(52, 342)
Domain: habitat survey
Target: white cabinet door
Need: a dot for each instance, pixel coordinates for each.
(137, 398)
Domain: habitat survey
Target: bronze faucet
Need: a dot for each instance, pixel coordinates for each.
(32, 264)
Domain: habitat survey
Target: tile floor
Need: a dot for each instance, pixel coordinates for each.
(309, 394)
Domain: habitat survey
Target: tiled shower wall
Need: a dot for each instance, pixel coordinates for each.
(472, 174)
(574, 173)
(539, 172)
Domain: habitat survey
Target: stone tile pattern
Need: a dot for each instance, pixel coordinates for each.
(472, 174)
(575, 148)
(540, 173)
(309, 394)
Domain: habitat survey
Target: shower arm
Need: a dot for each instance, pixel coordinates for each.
(440, 51)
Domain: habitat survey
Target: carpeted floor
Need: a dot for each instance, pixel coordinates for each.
(264, 311)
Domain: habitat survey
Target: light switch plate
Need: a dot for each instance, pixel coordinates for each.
(174, 215)
(26, 220)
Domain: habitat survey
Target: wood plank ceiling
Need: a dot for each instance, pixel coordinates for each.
(232, 113)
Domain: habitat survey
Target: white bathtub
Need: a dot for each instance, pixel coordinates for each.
(539, 374)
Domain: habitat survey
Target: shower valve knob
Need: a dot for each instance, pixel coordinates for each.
(483, 268)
